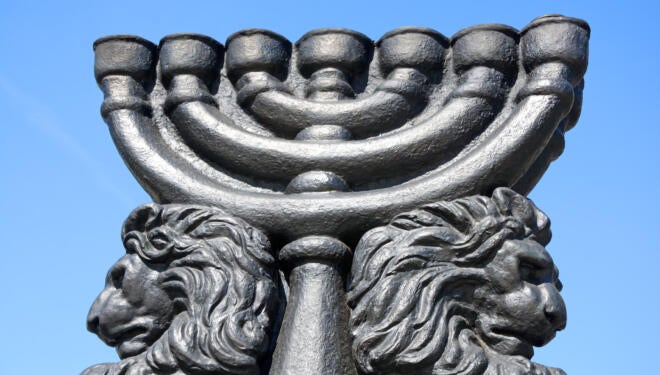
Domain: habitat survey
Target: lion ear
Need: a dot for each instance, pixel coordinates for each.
(141, 218)
(510, 203)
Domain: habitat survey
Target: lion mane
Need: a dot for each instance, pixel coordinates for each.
(219, 273)
(411, 283)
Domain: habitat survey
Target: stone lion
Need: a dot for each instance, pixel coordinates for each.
(195, 293)
(461, 287)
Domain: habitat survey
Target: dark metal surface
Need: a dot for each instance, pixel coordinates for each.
(195, 293)
(458, 287)
(317, 142)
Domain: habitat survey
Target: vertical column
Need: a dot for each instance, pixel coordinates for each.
(331, 59)
(314, 335)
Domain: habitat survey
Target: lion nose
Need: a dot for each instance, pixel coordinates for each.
(93, 317)
(93, 323)
(554, 307)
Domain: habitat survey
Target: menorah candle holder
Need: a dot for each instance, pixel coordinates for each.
(338, 205)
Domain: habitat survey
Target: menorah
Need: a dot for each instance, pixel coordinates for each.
(339, 205)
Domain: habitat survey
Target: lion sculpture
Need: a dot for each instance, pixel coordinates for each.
(460, 287)
(195, 293)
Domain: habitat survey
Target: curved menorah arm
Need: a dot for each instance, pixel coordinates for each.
(167, 179)
(473, 104)
(329, 58)
(432, 142)
(500, 157)
(375, 114)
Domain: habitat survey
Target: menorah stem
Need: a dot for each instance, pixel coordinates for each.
(314, 335)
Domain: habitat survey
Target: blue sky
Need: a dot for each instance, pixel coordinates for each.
(65, 190)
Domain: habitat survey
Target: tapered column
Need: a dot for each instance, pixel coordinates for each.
(314, 334)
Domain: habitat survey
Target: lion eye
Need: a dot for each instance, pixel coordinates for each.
(159, 240)
(116, 276)
(534, 274)
(527, 273)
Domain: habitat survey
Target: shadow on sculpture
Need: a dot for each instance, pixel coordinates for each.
(195, 293)
(459, 287)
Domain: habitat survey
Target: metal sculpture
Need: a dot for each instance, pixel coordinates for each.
(314, 145)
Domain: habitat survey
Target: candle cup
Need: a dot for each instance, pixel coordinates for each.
(419, 48)
(556, 38)
(190, 54)
(257, 50)
(345, 50)
(124, 55)
(492, 45)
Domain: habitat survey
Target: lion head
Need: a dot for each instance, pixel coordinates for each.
(195, 293)
(459, 287)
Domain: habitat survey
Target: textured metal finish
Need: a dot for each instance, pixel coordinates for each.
(456, 287)
(319, 141)
(196, 290)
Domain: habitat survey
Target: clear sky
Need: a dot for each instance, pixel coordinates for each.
(65, 191)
